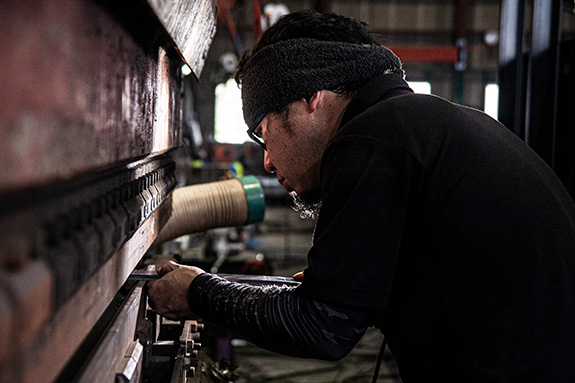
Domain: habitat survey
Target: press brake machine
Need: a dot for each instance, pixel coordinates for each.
(90, 115)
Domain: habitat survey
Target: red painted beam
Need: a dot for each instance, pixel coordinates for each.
(437, 54)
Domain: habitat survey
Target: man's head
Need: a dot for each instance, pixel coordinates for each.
(305, 52)
(296, 84)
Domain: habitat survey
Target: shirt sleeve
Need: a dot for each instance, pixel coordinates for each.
(277, 318)
(370, 190)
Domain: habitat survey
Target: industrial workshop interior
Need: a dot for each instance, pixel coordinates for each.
(124, 146)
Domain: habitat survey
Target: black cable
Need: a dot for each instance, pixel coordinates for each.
(378, 362)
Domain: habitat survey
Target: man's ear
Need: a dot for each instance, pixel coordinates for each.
(314, 101)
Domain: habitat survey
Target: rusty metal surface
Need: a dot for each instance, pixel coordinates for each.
(26, 303)
(64, 255)
(77, 226)
(192, 26)
(45, 348)
(90, 102)
(81, 89)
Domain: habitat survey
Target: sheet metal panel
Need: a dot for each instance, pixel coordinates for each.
(191, 25)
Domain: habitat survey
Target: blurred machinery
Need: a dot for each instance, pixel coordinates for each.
(90, 115)
(537, 80)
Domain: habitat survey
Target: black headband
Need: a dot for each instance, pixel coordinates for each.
(290, 70)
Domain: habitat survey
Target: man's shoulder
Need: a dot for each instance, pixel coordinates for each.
(399, 115)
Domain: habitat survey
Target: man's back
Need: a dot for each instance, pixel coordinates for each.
(484, 275)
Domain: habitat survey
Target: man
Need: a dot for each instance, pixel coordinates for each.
(437, 225)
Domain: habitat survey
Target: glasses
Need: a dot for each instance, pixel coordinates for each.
(255, 133)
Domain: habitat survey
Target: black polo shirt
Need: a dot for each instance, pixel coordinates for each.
(457, 234)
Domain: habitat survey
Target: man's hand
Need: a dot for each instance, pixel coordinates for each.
(168, 295)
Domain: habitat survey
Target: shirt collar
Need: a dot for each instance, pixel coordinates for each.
(377, 89)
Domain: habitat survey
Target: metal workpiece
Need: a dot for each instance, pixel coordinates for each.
(254, 280)
(259, 280)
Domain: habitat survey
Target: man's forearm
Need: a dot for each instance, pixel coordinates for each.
(277, 318)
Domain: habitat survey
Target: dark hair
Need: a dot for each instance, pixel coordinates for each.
(319, 26)
(315, 25)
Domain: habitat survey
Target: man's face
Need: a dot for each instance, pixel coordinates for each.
(295, 142)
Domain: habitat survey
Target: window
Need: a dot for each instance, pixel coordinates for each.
(423, 87)
(229, 125)
(491, 103)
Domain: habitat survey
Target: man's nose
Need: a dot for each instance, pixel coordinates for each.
(270, 168)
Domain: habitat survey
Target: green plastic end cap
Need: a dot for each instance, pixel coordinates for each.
(255, 198)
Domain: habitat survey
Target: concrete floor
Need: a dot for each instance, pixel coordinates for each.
(256, 365)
